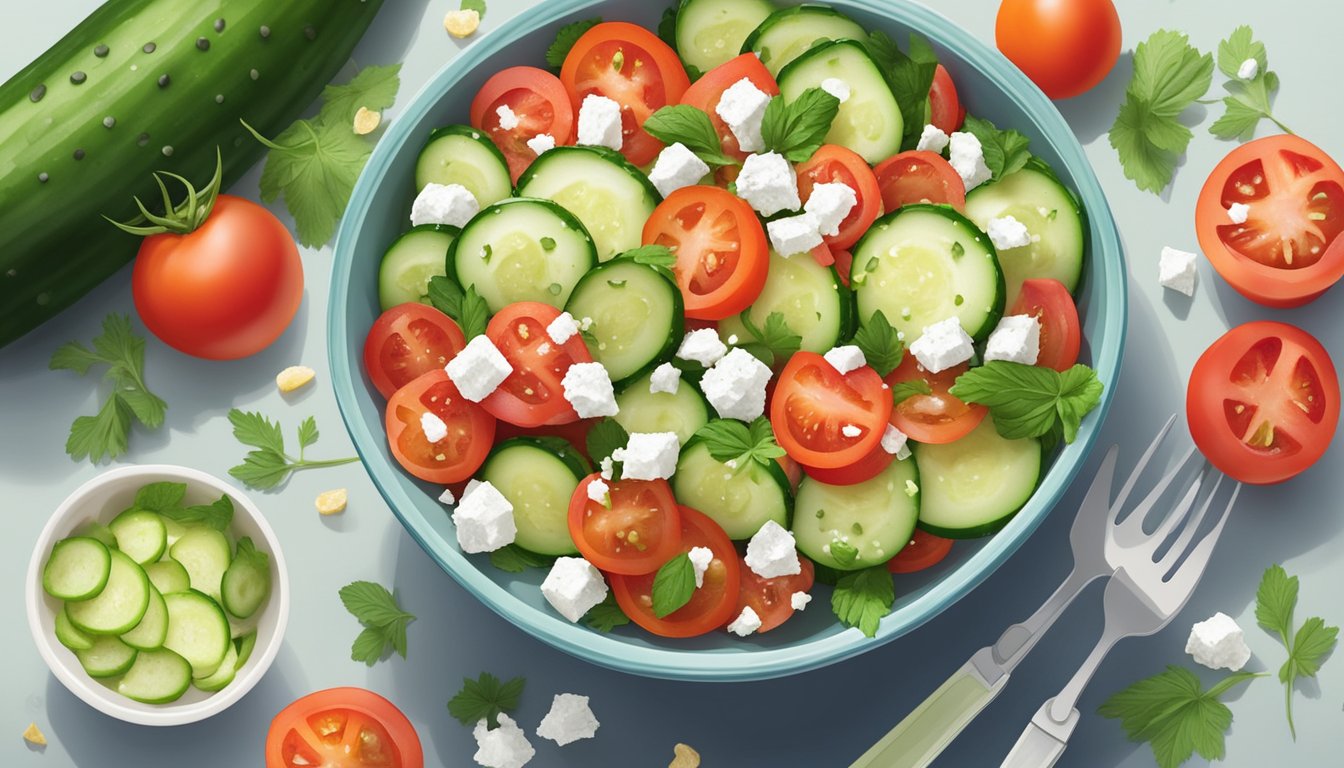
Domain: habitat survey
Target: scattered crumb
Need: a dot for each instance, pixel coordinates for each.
(293, 377)
(685, 757)
(332, 502)
(461, 23)
(367, 122)
(33, 735)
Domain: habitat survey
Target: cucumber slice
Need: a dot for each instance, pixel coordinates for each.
(682, 412)
(788, 32)
(1035, 197)
(710, 32)
(539, 483)
(814, 302)
(168, 576)
(228, 669)
(157, 677)
(875, 517)
(460, 154)
(140, 534)
(71, 636)
(77, 569)
(246, 644)
(121, 603)
(973, 487)
(205, 553)
(869, 121)
(96, 530)
(926, 263)
(637, 313)
(197, 630)
(108, 657)
(174, 530)
(411, 262)
(153, 627)
(522, 249)
(610, 196)
(740, 500)
(247, 582)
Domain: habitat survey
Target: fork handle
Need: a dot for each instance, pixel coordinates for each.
(1043, 741)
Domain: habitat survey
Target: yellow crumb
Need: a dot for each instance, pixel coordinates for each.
(33, 735)
(685, 757)
(367, 122)
(461, 23)
(294, 377)
(332, 502)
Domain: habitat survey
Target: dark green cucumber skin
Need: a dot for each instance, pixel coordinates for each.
(54, 243)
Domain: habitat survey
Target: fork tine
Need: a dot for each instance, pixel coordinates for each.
(1183, 581)
(1135, 519)
(1133, 478)
(1188, 532)
(1179, 514)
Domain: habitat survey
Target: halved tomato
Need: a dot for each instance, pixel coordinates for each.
(945, 109)
(458, 455)
(631, 66)
(704, 94)
(1050, 303)
(924, 551)
(1289, 251)
(865, 468)
(711, 605)
(635, 532)
(533, 394)
(407, 341)
(1263, 402)
(722, 254)
(844, 264)
(539, 101)
(938, 417)
(832, 163)
(343, 728)
(815, 406)
(772, 599)
(919, 176)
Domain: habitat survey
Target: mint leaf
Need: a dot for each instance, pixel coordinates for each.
(862, 598)
(1005, 150)
(904, 390)
(673, 585)
(910, 76)
(606, 615)
(688, 125)
(1174, 713)
(565, 39)
(798, 128)
(466, 308)
(484, 699)
(1031, 401)
(605, 437)
(881, 347)
(514, 559)
(160, 497)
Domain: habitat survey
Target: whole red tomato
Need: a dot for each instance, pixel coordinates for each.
(1065, 46)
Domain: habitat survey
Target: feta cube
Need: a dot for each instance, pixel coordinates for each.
(742, 107)
(676, 167)
(1016, 339)
(649, 456)
(700, 557)
(665, 378)
(799, 600)
(746, 622)
(968, 159)
(451, 204)
(600, 122)
(433, 427)
(1217, 643)
(569, 720)
(599, 491)
(507, 119)
(1006, 232)
(484, 519)
(541, 143)
(1176, 270)
(895, 441)
(932, 139)
(588, 388)
(837, 88)
(849, 430)
(478, 369)
(735, 386)
(845, 358)
(943, 345)
(562, 328)
(1238, 213)
(768, 183)
(608, 467)
(504, 747)
(1248, 69)
(831, 202)
(573, 587)
(447, 497)
(771, 552)
(794, 234)
(702, 346)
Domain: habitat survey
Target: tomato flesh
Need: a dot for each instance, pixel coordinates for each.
(938, 417)
(946, 111)
(635, 534)
(919, 176)
(704, 94)
(459, 454)
(533, 394)
(814, 406)
(408, 341)
(833, 163)
(537, 98)
(343, 728)
(1051, 304)
(924, 551)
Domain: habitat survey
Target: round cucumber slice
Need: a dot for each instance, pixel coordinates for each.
(815, 304)
(974, 486)
(198, 631)
(153, 627)
(413, 259)
(637, 312)
(228, 669)
(740, 499)
(247, 582)
(851, 527)
(246, 644)
(710, 32)
(788, 32)
(539, 484)
(121, 603)
(460, 154)
(96, 530)
(140, 534)
(71, 636)
(205, 554)
(168, 576)
(157, 677)
(682, 412)
(77, 569)
(869, 121)
(107, 657)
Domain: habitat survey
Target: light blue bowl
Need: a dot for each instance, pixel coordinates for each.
(987, 83)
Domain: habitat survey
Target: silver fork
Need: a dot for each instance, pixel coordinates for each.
(926, 732)
(1140, 599)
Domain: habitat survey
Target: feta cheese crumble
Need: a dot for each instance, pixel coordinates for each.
(478, 369)
(451, 204)
(1176, 270)
(608, 467)
(573, 587)
(794, 234)
(649, 456)
(588, 388)
(433, 427)
(1248, 69)
(541, 143)
(504, 747)
(932, 139)
(771, 552)
(562, 328)
(742, 107)
(849, 430)
(799, 600)
(600, 122)
(703, 346)
(894, 441)
(746, 622)
(1016, 339)
(1218, 643)
(484, 519)
(1007, 232)
(598, 490)
(831, 203)
(447, 497)
(768, 184)
(676, 167)
(1238, 213)
(735, 386)
(665, 378)
(837, 88)
(845, 358)
(968, 159)
(569, 720)
(943, 345)
(507, 119)
(700, 557)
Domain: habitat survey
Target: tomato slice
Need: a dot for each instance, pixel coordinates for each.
(635, 534)
(711, 605)
(844, 263)
(455, 457)
(407, 341)
(1263, 402)
(813, 404)
(938, 417)
(919, 176)
(772, 599)
(343, 728)
(924, 551)
(722, 253)
(833, 163)
(704, 94)
(865, 468)
(540, 102)
(1289, 251)
(533, 394)
(631, 66)
(1050, 303)
(945, 110)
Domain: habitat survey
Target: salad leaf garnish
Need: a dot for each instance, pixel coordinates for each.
(796, 129)
(881, 347)
(673, 585)
(607, 615)
(474, 5)
(247, 553)
(904, 390)
(484, 699)
(774, 342)
(565, 39)
(1175, 715)
(374, 88)
(1029, 400)
(165, 498)
(1275, 601)
(269, 465)
(512, 558)
(1005, 150)
(1248, 101)
(383, 619)
(466, 308)
(605, 437)
(690, 126)
(731, 440)
(862, 598)
(660, 257)
(909, 75)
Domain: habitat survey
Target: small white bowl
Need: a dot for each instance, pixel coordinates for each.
(103, 498)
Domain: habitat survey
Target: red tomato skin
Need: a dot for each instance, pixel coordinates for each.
(925, 550)
(862, 384)
(704, 94)
(832, 163)
(452, 409)
(912, 415)
(225, 291)
(647, 560)
(772, 599)
(514, 85)
(867, 468)
(1066, 48)
(541, 370)
(945, 108)
(401, 321)
(1061, 332)
(916, 176)
(367, 704)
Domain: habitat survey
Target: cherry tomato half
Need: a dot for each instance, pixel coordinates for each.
(866, 468)
(938, 417)
(458, 455)
(532, 394)
(1050, 303)
(814, 407)
(408, 341)
(634, 533)
(924, 551)
(919, 176)
(343, 728)
(704, 94)
(537, 99)
(945, 110)
(834, 163)
(772, 599)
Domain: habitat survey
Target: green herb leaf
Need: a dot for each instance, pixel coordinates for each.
(652, 255)
(512, 558)
(217, 514)
(881, 347)
(565, 39)
(731, 440)
(1248, 101)
(270, 466)
(904, 390)
(1005, 151)
(474, 5)
(1275, 601)
(910, 76)
(1175, 714)
(466, 308)
(690, 126)
(374, 88)
(1238, 47)
(252, 428)
(383, 619)
(160, 497)
(775, 342)
(606, 615)
(484, 699)
(307, 433)
(862, 598)
(673, 585)
(262, 470)
(605, 437)
(1029, 400)
(1312, 642)
(248, 554)
(798, 128)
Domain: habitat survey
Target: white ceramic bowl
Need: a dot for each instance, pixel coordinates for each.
(101, 499)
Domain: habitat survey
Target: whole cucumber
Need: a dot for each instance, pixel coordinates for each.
(141, 86)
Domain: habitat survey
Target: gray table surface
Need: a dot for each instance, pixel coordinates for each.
(822, 718)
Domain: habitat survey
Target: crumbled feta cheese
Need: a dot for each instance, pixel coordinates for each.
(569, 720)
(768, 183)
(585, 323)
(1007, 232)
(433, 427)
(846, 358)
(702, 346)
(746, 622)
(831, 203)
(507, 119)
(541, 143)
(447, 496)
(543, 349)
(1176, 270)
(771, 552)
(742, 107)
(588, 388)
(665, 378)
(1218, 643)
(484, 519)
(1248, 69)
(968, 159)
(451, 204)
(849, 430)
(894, 441)
(573, 587)
(608, 467)
(794, 234)
(1016, 339)
(478, 369)
(837, 88)
(600, 122)
(932, 139)
(504, 747)
(675, 168)
(700, 557)
(649, 456)
(735, 386)
(562, 328)
(799, 600)
(732, 339)
(943, 345)
(598, 490)
(1238, 213)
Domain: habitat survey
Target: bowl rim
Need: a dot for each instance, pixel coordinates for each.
(106, 700)
(754, 663)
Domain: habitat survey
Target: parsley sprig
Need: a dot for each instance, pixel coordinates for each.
(796, 129)
(1248, 101)
(566, 37)
(485, 698)
(466, 308)
(1029, 400)
(512, 558)
(862, 598)
(731, 440)
(772, 342)
(904, 390)
(1005, 150)
(269, 465)
(881, 347)
(909, 74)
(606, 615)
(383, 619)
(166, 499)
(604, 438)
(1175, 715)
(1275, 601)
(692, 127)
